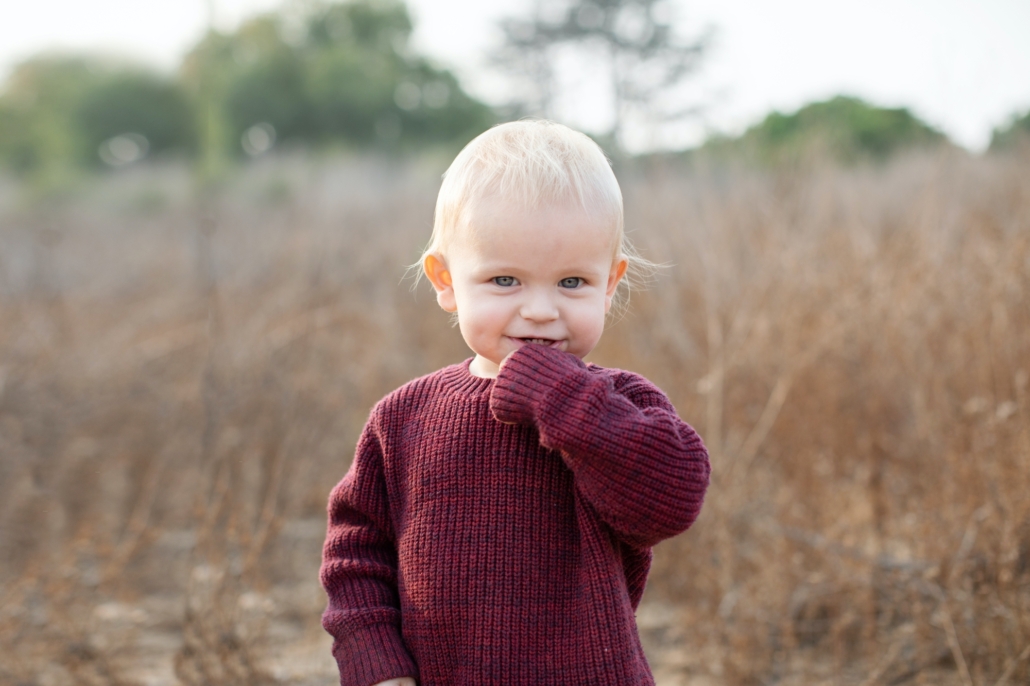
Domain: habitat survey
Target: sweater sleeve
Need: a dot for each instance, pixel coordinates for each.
(359, 574)
(643, 469)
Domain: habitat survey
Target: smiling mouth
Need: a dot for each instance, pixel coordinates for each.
(550, 342)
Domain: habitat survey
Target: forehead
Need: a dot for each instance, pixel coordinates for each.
(497, 221)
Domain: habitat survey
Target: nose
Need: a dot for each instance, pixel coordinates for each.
(539, 306)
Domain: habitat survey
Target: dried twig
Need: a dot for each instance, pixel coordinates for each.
(953, 644)
(884, 664)
(1010, 668)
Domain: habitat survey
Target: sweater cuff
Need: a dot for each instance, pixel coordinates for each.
(372, 654)
(526, 377)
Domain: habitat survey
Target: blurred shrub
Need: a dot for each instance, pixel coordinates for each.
(37, 108)
(1010, 136)
(844, 128)
(136, 102)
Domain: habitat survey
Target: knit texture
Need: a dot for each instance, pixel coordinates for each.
(500, 531)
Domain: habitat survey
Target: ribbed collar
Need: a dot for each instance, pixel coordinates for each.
(460, 380)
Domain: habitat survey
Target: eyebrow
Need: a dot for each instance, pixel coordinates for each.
(504, 269)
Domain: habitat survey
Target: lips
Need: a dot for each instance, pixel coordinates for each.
(549, 342)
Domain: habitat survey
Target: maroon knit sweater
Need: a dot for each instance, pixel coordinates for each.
(500, 531)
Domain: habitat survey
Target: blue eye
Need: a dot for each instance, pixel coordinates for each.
(504, 280)
(571, 282)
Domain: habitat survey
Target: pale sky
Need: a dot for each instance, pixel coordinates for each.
(962, 65)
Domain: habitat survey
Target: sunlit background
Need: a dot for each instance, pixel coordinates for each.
(207, 210)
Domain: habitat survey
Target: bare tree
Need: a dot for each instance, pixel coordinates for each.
(638, 45)
(527, 53)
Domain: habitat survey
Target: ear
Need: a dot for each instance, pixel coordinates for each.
(436, 269)
(614, 277)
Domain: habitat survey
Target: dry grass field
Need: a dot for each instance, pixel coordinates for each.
(184, 372)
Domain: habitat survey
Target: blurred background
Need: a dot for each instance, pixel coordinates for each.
(206, 215)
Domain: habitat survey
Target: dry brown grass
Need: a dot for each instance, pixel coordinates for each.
(183, 377)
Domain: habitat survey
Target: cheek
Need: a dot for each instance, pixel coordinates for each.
(588, 320)
(480, 315)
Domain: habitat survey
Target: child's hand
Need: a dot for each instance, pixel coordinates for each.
(401, 681)
(504, 361)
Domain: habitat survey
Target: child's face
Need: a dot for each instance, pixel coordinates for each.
(527, 276)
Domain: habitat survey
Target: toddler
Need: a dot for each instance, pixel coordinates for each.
(496, 524)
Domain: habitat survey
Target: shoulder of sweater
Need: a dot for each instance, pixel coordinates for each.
(414, 394)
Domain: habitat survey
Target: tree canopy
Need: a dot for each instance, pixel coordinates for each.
(1012, 135)
(340, 74)
(843, 128)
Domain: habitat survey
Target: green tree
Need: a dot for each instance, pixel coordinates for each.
(137, 103)
(366, 87)
(37, 123)
(335, 73)
(55, 112)
(245, 78)
(355, 70)
(843, 128)
(339, 73)
(268, 82)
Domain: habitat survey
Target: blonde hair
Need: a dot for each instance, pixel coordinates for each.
(533, 162)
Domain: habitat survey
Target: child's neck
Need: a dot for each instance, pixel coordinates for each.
(483, 368)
